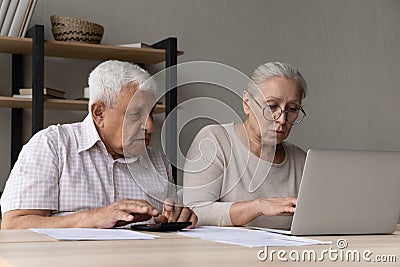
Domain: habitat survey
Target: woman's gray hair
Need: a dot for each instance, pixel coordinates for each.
(275, 69)
(108, 78)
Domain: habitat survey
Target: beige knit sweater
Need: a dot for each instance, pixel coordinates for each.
(220, 170)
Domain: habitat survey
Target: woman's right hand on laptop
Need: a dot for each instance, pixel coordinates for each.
(244, 212)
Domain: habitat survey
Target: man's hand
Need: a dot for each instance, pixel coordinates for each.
(173, 212)
(117, 214)
(120, 213)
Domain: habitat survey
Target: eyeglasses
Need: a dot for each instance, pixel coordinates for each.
(274, 112)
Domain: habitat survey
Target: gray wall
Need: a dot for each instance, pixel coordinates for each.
(347, 50)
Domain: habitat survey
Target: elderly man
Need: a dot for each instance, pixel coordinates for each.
(96, 173)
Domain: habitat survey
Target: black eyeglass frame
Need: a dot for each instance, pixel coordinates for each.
(281, 112)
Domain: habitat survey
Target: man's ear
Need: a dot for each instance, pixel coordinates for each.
(97, 110)
(245, 102)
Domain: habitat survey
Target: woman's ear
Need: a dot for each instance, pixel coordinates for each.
(245, 102)
(97, 109)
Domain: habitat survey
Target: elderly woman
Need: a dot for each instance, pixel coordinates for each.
(245, 173)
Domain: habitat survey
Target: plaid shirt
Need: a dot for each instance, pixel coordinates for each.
(66, 168)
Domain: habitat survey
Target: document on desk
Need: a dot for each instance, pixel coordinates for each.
(248, 237)
(92, 234)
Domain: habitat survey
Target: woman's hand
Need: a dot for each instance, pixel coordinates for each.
(276, 206)
(244, 212)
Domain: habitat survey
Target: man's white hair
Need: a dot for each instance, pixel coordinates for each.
(108, 78)
(275, 69)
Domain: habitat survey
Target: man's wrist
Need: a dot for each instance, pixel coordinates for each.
(82, 219)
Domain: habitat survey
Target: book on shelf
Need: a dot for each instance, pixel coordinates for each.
(82, 98)
(18, 18)
(30, 96)
(27, 18)
(5, 27)
(137, 45)
(46, 92)
(3, 11)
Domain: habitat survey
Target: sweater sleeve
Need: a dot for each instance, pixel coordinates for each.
(203, 179)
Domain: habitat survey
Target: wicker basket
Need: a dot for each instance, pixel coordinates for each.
(76, 30)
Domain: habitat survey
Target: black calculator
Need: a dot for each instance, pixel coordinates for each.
(161, 227)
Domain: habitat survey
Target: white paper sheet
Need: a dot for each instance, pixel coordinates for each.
(91, 234)
(247, 237)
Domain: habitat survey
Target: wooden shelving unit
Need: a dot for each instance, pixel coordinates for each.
(23, 46)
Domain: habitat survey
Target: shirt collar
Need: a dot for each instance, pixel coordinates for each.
(127, 160)
(143, 159)
(90, 136)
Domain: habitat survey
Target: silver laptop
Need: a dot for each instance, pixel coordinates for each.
(348, 192)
